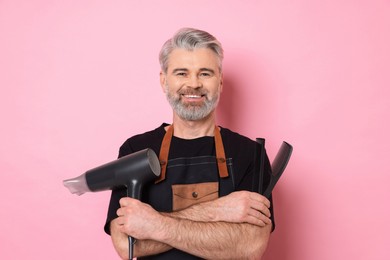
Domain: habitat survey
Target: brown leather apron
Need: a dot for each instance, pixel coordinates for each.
(187, 181)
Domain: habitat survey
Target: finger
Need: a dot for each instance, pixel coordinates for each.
(122, 228)
(260, 198)
(266, 202)
(259, 215)
(261, 208)
(265, 219)
(120, 221)
(264, 210)
(261, 222)
(125, 201)
(120, 212)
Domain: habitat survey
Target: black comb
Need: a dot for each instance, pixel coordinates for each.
(278, 165)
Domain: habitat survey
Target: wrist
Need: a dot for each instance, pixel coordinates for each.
(202, 212)
(210, 211)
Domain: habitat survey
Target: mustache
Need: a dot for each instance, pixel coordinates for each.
(191, 91)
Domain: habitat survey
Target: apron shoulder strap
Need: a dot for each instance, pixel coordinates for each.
(164, 152)
(220, 154)
(219, 150)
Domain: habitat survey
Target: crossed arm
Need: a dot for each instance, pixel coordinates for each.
(235, 226)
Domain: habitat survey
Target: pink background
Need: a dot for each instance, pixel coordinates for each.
(79, 77)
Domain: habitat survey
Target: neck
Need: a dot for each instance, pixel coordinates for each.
(193, 129)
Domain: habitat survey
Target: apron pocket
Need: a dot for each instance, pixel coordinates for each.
(185, 195)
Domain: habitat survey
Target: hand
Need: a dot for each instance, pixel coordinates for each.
(137, 219)
(243, 206)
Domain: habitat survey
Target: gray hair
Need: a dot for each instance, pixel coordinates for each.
(190, 39)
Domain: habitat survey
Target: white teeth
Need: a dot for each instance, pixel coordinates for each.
(192, 96)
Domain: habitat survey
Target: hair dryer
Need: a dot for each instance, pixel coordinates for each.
(133, 171)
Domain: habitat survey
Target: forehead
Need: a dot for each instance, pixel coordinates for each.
(193, 59)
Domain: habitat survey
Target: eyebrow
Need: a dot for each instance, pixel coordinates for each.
(201, 69)
(179, 69)
(207, 69)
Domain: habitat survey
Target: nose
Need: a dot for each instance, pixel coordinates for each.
(194, 82)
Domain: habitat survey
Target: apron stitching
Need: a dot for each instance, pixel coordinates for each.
(200, 163)
(169, 166)
(194, 157)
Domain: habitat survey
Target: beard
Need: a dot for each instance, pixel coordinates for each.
(192, 111)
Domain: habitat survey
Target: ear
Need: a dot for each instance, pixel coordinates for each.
(163, 80)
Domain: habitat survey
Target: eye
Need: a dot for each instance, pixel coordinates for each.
(181, 74)
(205, 74)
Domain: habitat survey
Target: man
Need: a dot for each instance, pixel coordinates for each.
(205, 203)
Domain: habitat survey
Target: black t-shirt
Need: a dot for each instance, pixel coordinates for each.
(243, 152)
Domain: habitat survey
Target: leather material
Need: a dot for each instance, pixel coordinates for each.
(186, 195)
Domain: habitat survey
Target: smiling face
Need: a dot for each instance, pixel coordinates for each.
(192, 83)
